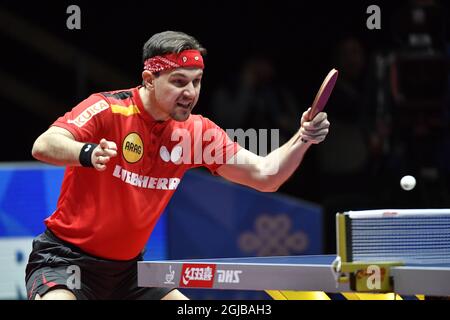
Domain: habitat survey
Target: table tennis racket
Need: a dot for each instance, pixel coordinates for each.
(323, 94)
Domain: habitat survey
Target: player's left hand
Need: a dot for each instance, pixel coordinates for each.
(103, 153)
(316, 130)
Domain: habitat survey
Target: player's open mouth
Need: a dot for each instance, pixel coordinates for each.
(184, 105)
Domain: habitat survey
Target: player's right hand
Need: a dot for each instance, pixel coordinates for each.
(316, 130)
(103, 153)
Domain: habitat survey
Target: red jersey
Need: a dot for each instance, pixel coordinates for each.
(111, 214)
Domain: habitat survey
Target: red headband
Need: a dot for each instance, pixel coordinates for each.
(184, 59)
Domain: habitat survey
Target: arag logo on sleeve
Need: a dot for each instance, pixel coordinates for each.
(132, 147)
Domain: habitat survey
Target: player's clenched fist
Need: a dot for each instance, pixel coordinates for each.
(316, 130)
(103, 153)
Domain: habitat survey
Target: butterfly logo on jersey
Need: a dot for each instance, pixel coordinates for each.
(173, 156)
(132, 148)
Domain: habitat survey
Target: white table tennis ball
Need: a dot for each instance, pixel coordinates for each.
(408, 183)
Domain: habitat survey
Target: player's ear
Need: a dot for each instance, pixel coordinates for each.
(148, 78)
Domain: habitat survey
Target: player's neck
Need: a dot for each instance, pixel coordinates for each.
(150, 106)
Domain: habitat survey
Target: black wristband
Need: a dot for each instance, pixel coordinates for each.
(86, 154)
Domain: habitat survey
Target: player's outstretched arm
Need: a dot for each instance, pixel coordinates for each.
(58, 146)
(268, 173)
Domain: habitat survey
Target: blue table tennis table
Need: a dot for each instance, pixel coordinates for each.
(283, 274)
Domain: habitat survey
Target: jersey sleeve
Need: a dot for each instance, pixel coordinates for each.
(218, 148)
(85, 120)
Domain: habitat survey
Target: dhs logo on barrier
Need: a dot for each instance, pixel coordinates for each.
(228, 276)
(197, 275)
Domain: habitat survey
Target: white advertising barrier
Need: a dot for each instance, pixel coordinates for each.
(14, 253)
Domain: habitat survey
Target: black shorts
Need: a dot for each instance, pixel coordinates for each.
(54, 263)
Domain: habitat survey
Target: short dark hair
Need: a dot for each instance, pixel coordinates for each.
(170, 42)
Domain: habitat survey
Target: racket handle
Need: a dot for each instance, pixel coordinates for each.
(309, 115)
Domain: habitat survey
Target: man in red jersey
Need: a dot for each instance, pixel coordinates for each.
(125, 153)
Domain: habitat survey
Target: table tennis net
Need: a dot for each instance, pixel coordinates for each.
(411, 236)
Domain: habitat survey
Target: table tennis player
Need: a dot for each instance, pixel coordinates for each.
(125, 153)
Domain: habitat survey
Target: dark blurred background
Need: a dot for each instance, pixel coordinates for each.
(389, 112)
